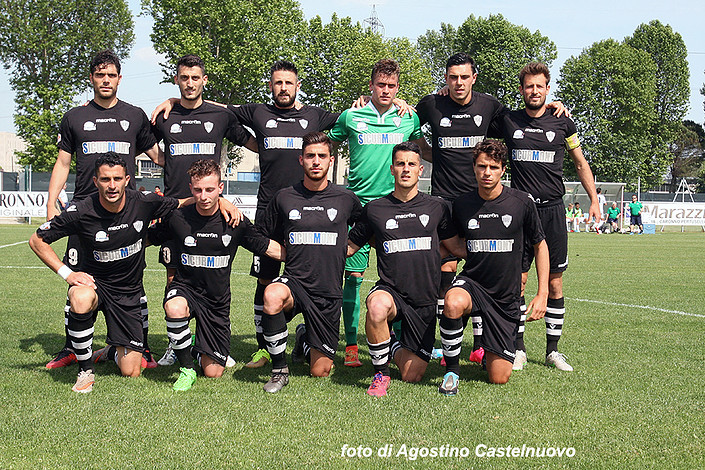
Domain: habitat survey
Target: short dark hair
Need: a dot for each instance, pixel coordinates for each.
(534, 68)
(386, 67)
(461, 58)
(202, 168)
(283, 65)
(111, 159)
(494, 149)
(191, 60)
(103, 59)
(316, 138)
(598, 190)
(407, 146)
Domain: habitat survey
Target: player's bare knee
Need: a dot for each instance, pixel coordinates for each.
(213, 372)
(82, 299)
(378, 308)
(176, 307)
(274, 297)
(499, 378)
(454, 305)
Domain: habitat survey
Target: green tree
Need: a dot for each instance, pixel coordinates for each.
(499, 47)
(47, 45)
(610, 88)
(686, 152)
(237, 39)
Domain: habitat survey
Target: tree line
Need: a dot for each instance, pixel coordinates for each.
(628, 98)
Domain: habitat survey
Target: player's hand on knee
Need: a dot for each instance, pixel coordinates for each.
(79, 278)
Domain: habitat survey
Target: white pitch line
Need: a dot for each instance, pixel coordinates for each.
(13, 244)
(643, 307)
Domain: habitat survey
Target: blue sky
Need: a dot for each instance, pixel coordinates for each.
(572, 26)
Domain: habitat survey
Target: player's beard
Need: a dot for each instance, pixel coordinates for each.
(534, 105)
(284, 101)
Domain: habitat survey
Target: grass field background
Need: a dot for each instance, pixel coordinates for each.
(635, 329)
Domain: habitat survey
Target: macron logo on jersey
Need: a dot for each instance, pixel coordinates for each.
(380, 138)
(202, 261)
(313, 238)
(490, 246)
(537, 156)
(459, 142)
(122, 148)
(283, 143)
(407, 244)
(194, 148)
(119, 254)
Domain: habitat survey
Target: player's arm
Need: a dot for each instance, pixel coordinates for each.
(276, 250)
(156, 155)
(559, 108)
(59, 175)
(455, 245)
(251, 145)
(403, 107)
(168, 105)
(352, 249)
(426, 150)
(46, 253)
(587, 180)
(537, 307)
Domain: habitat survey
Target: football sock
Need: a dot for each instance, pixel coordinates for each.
(476, 332)
(451, 338)
(179, 334)
(379, 353)
(145, 320)
(519, 343)
(67, 341)
(351, 308)
(80, 330)
(555, 312)
(259, 305)
(275, 334)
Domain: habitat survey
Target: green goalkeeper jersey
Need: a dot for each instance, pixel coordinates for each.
(371, 138)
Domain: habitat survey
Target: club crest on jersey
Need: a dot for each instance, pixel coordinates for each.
(518, 134)
(226, 239)
(396, 120)
(294, 214)
(472, 224)
(271, 124)
(175, 129)
(445, 122)
(391, 224)
(304, 123)
(101, 236)
(208, 126)
(332, 212)
(138, 225)
(361, 126)
(424, 218)
(478, 120)
(125, 124)
(89, 126)
(550, 135)
(189, 241)
(507, 220)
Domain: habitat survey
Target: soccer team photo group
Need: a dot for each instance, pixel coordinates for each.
(416, 281)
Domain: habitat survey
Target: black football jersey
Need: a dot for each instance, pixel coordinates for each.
(279, 135)
(494, 233)
(206, 246)
(537, 148)
(313, 227)
(407, 237)
(90, 131)
(455, 131)
(194, 134)
(113, 242)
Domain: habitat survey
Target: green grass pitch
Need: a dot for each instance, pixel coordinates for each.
(635, 329)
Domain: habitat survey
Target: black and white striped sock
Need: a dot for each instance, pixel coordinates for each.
(555, 313)
(80, 332)
(451, 338)
(275, 335)
(379, 353)
(519, 343)
(180, 336)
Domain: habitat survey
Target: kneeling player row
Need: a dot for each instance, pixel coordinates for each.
(306, 226)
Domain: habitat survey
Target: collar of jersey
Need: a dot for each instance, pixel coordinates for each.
(381, 117)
